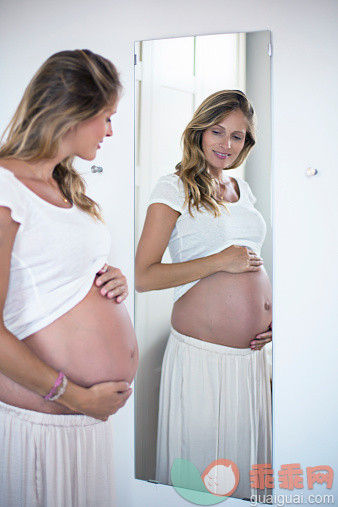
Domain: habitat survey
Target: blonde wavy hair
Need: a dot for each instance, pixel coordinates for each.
(70, 87)
(199, 187)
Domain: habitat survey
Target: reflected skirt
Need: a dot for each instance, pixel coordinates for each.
(54, 460)
(215, 403)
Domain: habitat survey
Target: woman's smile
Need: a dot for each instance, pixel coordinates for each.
(222, 156)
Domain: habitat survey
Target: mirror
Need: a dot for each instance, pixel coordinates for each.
(172, 77)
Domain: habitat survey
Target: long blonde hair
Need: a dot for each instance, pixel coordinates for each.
(70, 87)
(199, 187)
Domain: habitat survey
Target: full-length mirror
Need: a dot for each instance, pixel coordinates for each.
(213, 210)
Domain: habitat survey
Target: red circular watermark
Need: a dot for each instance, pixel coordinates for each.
(221, 477)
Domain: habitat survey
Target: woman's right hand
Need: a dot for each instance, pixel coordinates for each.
(239, 259)
(105, 399)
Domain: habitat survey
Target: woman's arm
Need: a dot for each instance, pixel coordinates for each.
(152, 274)
(20, 364)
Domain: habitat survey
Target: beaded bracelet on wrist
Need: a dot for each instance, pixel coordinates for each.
(61, 389)
(58, 388)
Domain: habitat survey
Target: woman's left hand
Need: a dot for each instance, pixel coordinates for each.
(261, 339)
(113, 282)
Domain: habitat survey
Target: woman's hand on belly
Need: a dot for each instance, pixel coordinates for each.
(112, 283)
(101, 400)
(261, 339)
(238, 259)
(93, 344)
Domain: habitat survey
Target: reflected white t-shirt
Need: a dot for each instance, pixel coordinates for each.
(204, 234)
(56, 255)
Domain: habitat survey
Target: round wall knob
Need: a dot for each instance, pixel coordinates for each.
(311, 171)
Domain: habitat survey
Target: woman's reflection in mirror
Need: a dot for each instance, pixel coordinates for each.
(215, 399)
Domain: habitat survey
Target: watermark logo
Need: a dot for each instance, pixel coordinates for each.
(290, 476)
(220, 479)
(280, 500)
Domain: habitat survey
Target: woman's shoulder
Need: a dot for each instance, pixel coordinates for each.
(240, 181)
(11, 185)
(245, 189)
(6, 174)
(12, 195)
(170, 180)
(169, 190)
(8, 180)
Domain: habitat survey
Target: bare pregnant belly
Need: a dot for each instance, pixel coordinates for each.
(93, 342)
(225, 308)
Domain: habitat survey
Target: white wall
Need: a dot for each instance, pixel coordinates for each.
(305, 211)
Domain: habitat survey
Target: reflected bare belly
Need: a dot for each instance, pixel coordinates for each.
(225, 308)
(93, 342)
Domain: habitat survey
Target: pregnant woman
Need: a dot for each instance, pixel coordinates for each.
(215, 400)
(67, 347)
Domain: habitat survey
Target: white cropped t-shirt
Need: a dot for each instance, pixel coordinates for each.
(204, 234)
(56, 255)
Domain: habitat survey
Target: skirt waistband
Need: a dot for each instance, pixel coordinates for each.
(48, 419)
(211, 347)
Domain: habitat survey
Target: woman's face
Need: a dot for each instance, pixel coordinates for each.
(223, 142)
(87, 136)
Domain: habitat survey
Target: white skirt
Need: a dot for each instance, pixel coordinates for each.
(215, 403)
(54, 460)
